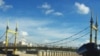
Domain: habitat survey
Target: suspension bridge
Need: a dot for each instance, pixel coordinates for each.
(50, 49)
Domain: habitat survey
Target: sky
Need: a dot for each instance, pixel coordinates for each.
(45, 21)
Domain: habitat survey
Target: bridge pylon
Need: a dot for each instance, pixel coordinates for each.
(15, 42)
(91, 24)
(15, 32)
(93, 27)
(6, 39)
(96, 30)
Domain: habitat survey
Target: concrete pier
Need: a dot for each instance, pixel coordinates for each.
(56, 53)
(48, 53)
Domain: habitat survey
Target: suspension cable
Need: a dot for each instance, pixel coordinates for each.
(74, 39)
(79, 37)
(2, 35)
(10, 38)
(69, 36)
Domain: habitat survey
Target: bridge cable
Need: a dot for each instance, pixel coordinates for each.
(2, 35)
(79, 37)
(75, 39)
(69, 36)
(70, 40)
(11, 37)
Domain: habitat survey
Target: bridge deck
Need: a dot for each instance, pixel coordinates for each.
(39, 48)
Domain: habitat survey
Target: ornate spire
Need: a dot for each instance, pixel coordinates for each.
(96, 24)
(91, 24)
(8, 24)
(16, 26)
(91, 21)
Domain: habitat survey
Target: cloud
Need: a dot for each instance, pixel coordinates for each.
(45, 6)
(56, 33)
(82, 8)
(4, 6)
(2, 2)
(49, 10)
(47, 41)
(58, 13)
(24, 33)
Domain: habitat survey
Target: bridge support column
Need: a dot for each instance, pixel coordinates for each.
(39, 53)
(61, 53)
(15, 42)
(53, 53)
(42, 53)
(64, 53)
(6, 40)
(49, 53)
(46, 52)
(56, 53)
(67, 54)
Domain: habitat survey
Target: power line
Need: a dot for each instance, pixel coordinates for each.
(69, 36)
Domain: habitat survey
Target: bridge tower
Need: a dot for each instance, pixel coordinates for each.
(6, 39)
(91, 24)
(15, 41)
(93, 27)
(96, 30)
(15, 32)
